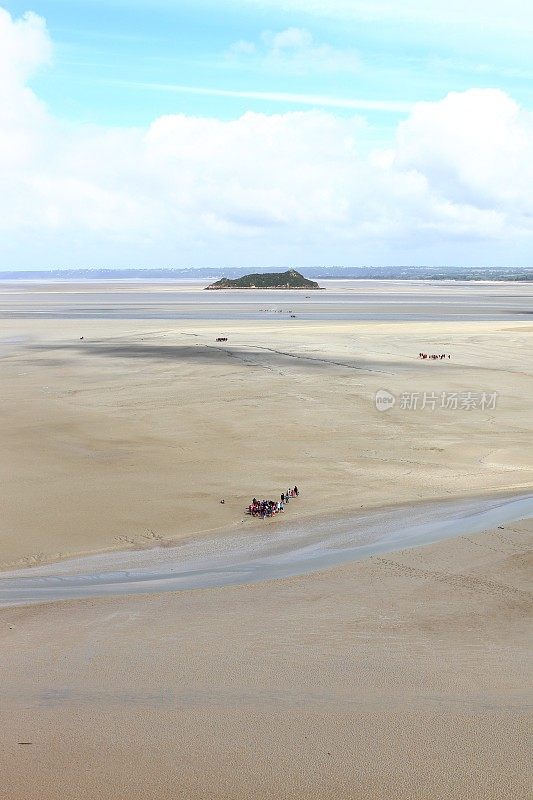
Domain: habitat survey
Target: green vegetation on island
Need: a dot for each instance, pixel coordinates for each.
(267, 280)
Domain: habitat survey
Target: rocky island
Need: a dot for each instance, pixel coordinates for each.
(291, 279)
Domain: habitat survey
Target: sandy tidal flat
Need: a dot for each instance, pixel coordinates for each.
(133, 434)
(401, 677)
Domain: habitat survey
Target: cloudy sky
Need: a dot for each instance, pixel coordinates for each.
(265, 132)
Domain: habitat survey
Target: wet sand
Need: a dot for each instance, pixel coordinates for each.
(342, 300)
(298, 549)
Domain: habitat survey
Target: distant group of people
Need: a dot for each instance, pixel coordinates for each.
(267, 508)
(222, 338)
(433, 356)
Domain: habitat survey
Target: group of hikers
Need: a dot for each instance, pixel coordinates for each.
(433, 356)
(267, 508)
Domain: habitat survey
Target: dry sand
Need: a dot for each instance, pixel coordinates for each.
(401, 677)
(135, 433)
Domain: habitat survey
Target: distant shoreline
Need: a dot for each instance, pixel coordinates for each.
(55, 278)
(209, 275)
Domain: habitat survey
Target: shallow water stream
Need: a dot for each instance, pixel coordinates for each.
(278, 550)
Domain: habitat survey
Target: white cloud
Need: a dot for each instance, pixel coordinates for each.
(24, 48)
(295, 51)
(289, 39)
(474, 148)
(262, 189)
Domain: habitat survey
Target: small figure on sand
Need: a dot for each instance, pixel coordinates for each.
(267, 508)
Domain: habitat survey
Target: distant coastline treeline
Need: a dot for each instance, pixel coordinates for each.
(324, 273)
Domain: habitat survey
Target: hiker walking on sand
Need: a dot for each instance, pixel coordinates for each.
(296, 491)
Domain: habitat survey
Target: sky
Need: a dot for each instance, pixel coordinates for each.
(169, 133)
